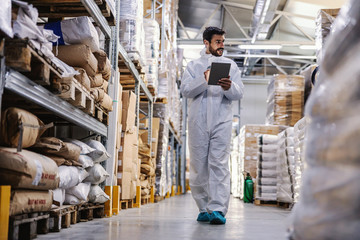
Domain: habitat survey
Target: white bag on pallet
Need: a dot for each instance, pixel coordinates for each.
(97, 195)
(71, 176)
(81, 191)
(78, 30)
(97, 174)
(100, 154)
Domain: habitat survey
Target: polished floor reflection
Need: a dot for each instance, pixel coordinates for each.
(175, 218)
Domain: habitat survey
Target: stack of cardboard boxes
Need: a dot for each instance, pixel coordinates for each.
(128, 161)
(285, 100)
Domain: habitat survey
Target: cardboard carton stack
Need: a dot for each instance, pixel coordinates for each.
(285, 100)
(324, 21)
(128, 161)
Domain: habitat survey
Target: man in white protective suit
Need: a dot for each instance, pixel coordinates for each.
(210, 124)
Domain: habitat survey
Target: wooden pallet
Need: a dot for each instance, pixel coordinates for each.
(76, 94)
(62, 217)
(58, 9)
(27, 226)
(89, 211)
(159, 198)
(284, 205)
(125, 204)
(23, 56)
(259, 202)
(101, 114)
(145, 200)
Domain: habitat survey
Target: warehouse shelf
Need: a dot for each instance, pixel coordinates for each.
(96, 14)
(173, 133)
(135, 73)
(26, 88)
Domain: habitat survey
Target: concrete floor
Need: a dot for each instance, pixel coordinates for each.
(175, 218)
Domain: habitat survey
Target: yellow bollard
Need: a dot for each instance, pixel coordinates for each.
(178, 190)
(116, 200)
(5, 192)
(167, 195)
(152, 195)
(108, 204)
(173, 190)
(138, 197)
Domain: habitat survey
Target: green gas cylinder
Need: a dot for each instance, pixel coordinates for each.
(248, 190)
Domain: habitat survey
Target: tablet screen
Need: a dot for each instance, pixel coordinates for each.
(218, 71)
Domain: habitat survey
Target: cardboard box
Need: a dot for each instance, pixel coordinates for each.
(128, 110)
(119, 103)
(143, 121)
(126, 186)
(126, 151)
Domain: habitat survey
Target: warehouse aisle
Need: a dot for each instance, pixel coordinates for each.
(174, 218)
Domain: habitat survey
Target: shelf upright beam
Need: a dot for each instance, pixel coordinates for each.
(184, 143)
(96, 14)
(113, 89)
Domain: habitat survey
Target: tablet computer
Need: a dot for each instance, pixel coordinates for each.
(218, 71)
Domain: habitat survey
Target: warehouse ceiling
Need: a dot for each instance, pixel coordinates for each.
(285, 26)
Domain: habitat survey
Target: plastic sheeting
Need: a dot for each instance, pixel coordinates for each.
(266, 186)
(285, 100)
(329, 201)
(5, 18)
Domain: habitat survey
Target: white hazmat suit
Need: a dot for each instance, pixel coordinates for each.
(210, 124)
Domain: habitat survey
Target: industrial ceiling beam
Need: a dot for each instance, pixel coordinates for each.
(236, 22)
(208, 20)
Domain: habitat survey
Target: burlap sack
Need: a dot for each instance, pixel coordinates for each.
(25, 201)
(54, 146)
(83, 78)
(107, 102)
(11, 118)
(78, 55)
(104, 65)
(96, 81)
(27, 170)
(105, 86)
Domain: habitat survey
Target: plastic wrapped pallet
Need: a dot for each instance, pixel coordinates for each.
(249, 147)
(79, 30)
(328, 206)
(266, 185)
(299, 143)
(131, 25)
(324, 21)
(152, 43)
(285, 100)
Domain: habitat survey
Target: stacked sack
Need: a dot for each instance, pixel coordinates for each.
(324, 21)
(330, 196)
(299, 146)
(152, 43)
(82, 51)
(285, 100)
(266, 185)
(30, 175)
(285, 166)
(147, 168)
(236, 178)
(81, 184)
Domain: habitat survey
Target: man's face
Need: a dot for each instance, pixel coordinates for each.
(216, 46)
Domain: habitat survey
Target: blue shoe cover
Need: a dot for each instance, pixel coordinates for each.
(217, 218)
(203, 217)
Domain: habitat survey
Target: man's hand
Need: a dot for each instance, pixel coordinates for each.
(206, 75)
(225, 83)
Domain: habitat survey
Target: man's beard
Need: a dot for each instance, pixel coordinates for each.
(215, 51)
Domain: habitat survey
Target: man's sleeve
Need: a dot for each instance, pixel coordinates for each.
(236, 91)
(192, 83)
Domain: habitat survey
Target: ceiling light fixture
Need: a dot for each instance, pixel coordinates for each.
(261, 47)
(308, 47)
